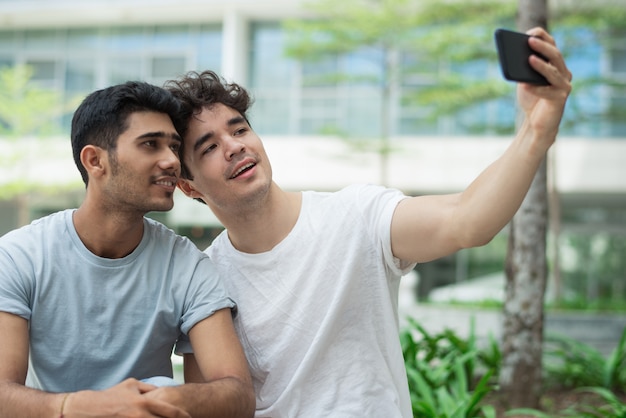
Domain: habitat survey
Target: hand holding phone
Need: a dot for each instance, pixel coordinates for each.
(513, 52)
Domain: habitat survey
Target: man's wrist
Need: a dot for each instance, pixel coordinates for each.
(62, 408)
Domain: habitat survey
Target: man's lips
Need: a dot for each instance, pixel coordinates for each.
(167, 182)
(242, 169)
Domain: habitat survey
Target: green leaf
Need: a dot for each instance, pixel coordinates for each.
(615, 365)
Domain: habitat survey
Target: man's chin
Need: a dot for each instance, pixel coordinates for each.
(163, 207)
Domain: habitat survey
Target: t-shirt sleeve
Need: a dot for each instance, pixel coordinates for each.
(205, 296)
(15, 287)
(377, 205)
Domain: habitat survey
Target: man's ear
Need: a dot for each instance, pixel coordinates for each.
(188, 189)
(94, 160)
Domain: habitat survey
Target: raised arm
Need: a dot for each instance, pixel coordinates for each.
(428, 227)
(17, 400)
(223, 385)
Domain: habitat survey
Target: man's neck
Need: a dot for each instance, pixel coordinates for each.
(265, 227)
(107, 235)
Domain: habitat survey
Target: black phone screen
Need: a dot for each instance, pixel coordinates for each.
(513, 52)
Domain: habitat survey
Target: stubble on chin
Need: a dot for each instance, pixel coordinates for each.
(243, 206)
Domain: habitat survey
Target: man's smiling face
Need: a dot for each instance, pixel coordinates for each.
(226, 160)
(144, 167)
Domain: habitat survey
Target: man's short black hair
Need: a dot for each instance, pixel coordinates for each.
(103, 115)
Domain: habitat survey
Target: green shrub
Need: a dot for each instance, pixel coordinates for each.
(612, 408)
(441, 370)
(572, 364)
(575, 365)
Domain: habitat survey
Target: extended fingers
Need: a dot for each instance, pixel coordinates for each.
(544, 44)
(555, 75)
(541, 33)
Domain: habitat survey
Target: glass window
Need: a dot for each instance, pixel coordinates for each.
(127, 39)
(272, 81)
(42, 39)
(584, 55)
(80, 80)
(476, 69)
(171, 37)
(270, 68)
(209, 48)
(122, 69)
(335, 94)
(82, 39)
(416, 73)
(5, 62)
(362, 110)
(618, 109)
(167, 67)
(471, 119)
(270, 113)
(416, 124)
(303, 97)
(618, 61)
(80, 76)
(7, 41)
(618, 51)
(44, 71)
(319, 113)
(322, 72)
(78, 60)
(365, 66)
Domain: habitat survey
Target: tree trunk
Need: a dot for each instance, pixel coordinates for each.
(526, 272)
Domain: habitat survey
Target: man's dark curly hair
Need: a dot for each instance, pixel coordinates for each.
(199, 91)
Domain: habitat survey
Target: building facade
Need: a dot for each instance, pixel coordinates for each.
(75, 47)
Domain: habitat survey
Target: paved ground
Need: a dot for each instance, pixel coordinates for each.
(601, 331)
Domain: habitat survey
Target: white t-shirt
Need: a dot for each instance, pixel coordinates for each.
(317, 315)
(96, 321)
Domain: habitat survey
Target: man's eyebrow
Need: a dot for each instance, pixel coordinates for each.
(160, 134)
(200, 141)
(206, 137)
(236, 120)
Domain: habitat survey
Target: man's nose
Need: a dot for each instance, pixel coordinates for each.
(234, 147)
(170, 160)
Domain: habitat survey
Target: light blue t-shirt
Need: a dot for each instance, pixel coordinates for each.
(96, 321)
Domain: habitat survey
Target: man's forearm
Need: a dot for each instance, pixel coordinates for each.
(494, 197)
(17, 400)
(225, 398)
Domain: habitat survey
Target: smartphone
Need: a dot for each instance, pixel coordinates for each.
(513, 52)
